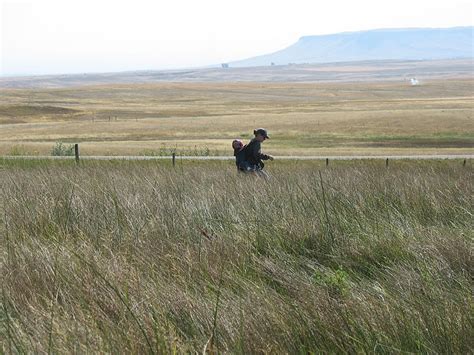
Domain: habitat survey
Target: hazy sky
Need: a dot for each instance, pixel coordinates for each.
(65, 36)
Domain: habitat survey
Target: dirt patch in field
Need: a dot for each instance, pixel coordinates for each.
(32, 110)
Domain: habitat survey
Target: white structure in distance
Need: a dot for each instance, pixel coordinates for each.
(414, 82)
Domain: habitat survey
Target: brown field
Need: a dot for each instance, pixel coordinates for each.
(332, 118)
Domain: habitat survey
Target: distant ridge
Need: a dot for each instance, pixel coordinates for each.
(380, 44)
(374, 70)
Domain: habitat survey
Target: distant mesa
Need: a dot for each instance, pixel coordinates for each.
(383, 44)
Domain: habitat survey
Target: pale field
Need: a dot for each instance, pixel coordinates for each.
(302, 118)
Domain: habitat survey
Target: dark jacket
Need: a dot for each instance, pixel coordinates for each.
(252, 153)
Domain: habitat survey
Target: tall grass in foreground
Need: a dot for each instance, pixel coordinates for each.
(138, 257)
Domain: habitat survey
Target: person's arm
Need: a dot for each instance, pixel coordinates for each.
(255, 153)
(262, 156)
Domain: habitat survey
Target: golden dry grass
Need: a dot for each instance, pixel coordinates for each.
(303, 118)
(138, 257)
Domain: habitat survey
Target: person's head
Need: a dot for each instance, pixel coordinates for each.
(237, 144)
(261, 134)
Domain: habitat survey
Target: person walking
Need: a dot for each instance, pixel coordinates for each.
(252, 156)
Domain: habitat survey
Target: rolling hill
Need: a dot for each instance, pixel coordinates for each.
(382, 44)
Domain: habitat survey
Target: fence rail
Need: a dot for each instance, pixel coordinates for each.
(282, 157)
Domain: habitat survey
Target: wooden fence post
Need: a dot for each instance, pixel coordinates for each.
(174, 159)
(76, 152)
(464, 162)
(386, 162)
(327, 161)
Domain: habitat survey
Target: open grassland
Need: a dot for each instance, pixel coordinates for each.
(367, 71)
(362, 118)
(139, 257)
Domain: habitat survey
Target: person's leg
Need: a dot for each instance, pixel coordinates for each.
(263, 173)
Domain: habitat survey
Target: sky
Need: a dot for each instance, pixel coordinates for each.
(40, 37)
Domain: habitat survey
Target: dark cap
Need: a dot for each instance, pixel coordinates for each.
(261, 131)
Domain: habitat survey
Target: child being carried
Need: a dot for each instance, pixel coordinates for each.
(238, 153)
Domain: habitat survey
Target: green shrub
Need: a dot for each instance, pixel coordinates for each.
(337, 282)
(60, 149)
